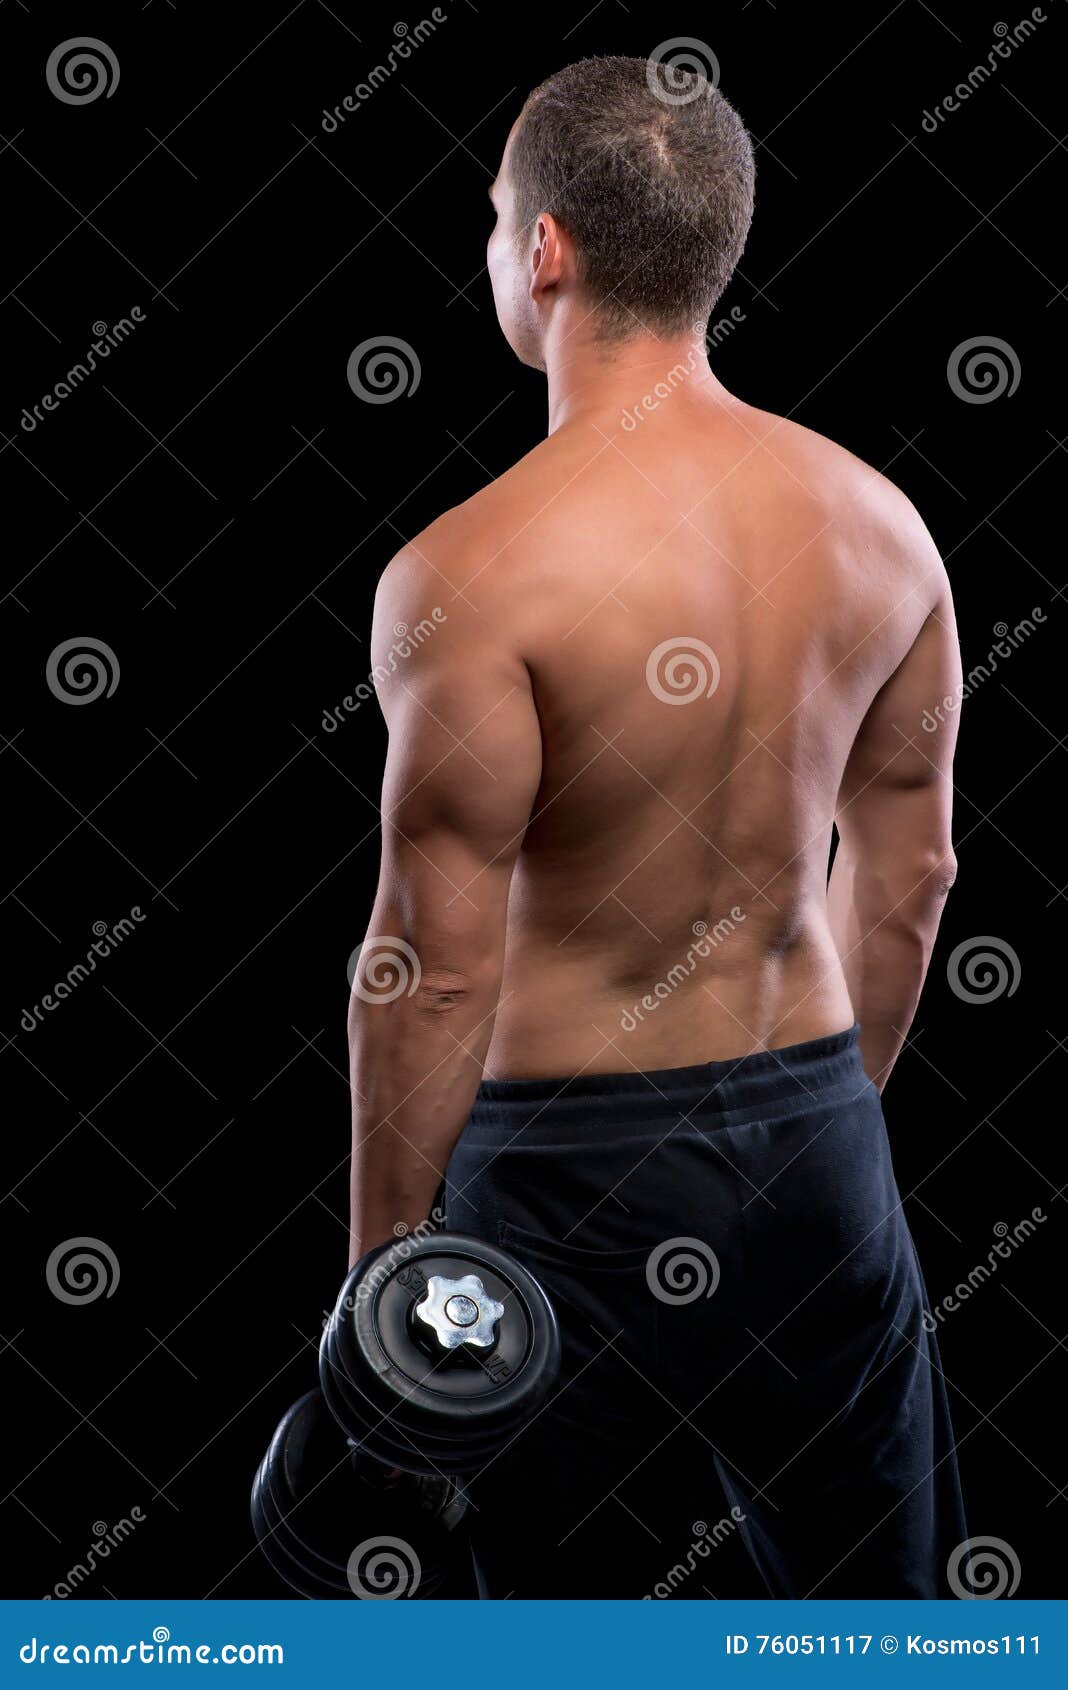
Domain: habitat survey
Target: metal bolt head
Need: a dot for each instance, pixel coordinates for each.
(459, 1311)
(462, 1311)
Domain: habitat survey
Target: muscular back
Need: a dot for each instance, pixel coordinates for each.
(671, 653)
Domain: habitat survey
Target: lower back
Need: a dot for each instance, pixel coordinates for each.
(725, 989)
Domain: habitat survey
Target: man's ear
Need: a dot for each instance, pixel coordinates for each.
(550, 257)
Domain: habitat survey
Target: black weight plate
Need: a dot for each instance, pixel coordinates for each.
(384, 1441)
(308, 1476)
(425, 1541)
(283, 1562)
(451, 1449)
(454, 1440)
(377, 1434)
(357, 1410)
(481, 1373)
(356, 1508)
(310, 1509)
(297, 1489)
(421, 1542)
(350, 1407)
(378, 1351)
(427, 1456)
(414, 1451)
(295, 1574)
(291, 1531)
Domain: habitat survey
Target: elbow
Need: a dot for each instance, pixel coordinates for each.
(444, 991)
(937, 874)
(397, 973)
(909, 892)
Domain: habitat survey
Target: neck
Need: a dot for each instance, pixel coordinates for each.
(586, 375)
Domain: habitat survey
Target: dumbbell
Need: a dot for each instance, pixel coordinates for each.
(332, 1522)
(438, 1352)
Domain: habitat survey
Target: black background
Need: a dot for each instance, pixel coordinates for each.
(216, 504)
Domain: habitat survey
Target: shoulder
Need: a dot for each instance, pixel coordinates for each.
(459, 594)
(472, 556)
(867, 516)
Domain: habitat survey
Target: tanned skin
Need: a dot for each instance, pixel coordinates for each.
(554, 832)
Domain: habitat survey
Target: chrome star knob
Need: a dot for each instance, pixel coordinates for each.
(459, 1311)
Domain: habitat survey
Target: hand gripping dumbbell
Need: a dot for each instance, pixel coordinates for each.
(437, 1353)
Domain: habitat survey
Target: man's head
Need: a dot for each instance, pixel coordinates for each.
(628, 185)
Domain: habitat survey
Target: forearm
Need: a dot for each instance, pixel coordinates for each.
(884, 921)
(415, 1065)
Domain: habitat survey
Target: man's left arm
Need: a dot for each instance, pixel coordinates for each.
(462, 769)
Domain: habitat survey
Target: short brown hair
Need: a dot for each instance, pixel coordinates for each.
(650, 171)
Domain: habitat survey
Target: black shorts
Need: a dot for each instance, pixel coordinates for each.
(747, 1378)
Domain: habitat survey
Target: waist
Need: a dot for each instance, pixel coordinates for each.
(590, 1008)
(636, 1103)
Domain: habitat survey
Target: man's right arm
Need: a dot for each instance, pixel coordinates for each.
(895, 865)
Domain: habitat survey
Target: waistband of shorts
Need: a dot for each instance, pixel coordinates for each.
(810, 1070)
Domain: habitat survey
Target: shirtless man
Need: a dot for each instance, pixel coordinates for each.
(607, 987)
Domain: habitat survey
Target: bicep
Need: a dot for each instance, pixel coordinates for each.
(462, 768)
